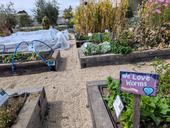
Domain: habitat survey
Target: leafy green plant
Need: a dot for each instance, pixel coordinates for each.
(155, 111)
(8, 59)
(112, 86)
(120, 47)
(101, 37)
(127, 34)
(107, 47)
(82, 37)
(20, 57)
(163, 69)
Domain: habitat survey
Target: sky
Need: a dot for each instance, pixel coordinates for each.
(28, 5)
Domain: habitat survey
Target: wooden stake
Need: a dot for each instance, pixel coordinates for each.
(136, 113)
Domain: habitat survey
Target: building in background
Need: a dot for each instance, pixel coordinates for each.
(23, 12)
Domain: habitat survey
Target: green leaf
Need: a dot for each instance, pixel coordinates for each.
(165, 111)
(163, 106)
(157, 120)
(168, 119)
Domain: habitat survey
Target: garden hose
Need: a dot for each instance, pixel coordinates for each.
(38, 41)
(43, 59)
(13, 56)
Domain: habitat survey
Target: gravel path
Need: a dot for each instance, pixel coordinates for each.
(66, 89)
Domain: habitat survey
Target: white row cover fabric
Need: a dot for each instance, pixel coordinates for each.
(52, 37)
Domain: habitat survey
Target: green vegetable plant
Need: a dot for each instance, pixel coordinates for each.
(163, 69)
(116, 47)
(120, 47)
(20, 57)
(155, 111)
(81, 37)
(101, 37)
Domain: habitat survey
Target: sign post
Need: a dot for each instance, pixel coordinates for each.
(136, 113)
(138, 84)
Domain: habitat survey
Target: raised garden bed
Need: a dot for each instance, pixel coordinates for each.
(24, 63)
(110, 59)
(99, 112)
(27, 109)
(104, 117)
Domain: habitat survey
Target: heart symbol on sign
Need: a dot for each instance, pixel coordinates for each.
(148, 91)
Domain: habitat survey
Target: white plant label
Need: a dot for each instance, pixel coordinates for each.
(90, 34)
(106, 31)
(3, 97)
(118, 106)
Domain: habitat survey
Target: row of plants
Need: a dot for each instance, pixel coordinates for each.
(102, 43)
(20, 57)
(155, 111)
(106, 47)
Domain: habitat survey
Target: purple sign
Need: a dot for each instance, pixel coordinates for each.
(139, 83)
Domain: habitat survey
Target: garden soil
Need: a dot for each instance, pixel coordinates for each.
(66, 88)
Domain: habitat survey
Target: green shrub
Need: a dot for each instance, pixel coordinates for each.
(163, 69)
(120, 47)
(101, 37)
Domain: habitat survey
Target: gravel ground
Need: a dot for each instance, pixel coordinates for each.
(66, 88)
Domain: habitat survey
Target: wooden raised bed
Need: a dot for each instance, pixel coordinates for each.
(110, 59)
(32, 114)
(32, 64)
(100, 114)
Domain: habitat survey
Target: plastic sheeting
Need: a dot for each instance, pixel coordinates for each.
(52, 37)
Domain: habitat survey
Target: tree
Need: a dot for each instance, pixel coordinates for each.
(7, 18)
(24, 20)
(49, 9)
(68, 13)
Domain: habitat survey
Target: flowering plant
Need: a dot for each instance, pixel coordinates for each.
(155, 12)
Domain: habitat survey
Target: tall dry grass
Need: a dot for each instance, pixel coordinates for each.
(99, 15)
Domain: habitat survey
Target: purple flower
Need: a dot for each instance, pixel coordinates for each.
(160, 1)
(158, 11)
(167, 2)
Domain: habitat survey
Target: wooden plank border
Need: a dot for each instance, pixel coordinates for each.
(113, 59)
(99, 113)
(56, 56)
